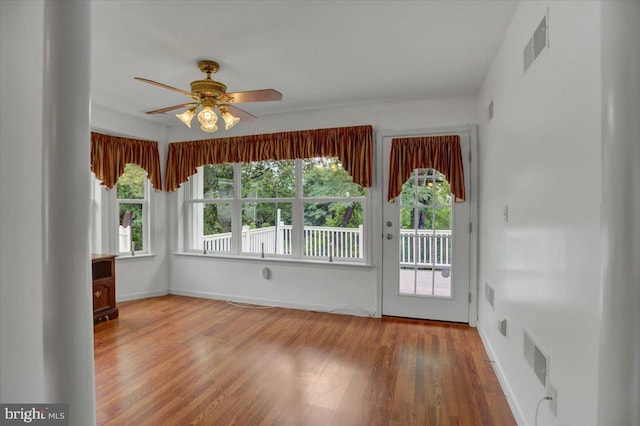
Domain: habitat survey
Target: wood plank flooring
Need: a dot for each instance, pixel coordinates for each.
(176, 360)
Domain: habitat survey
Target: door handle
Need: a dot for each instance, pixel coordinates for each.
(389, 236)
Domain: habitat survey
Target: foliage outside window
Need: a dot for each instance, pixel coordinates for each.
(132, 200)
(288, 208)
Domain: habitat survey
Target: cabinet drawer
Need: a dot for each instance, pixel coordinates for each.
(103, 296)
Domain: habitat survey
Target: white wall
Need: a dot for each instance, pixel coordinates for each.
(619, 378)
(139, 276)
(21, 262)
(352, 290)
(541, 156)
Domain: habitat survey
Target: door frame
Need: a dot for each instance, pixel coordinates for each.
(471, 194)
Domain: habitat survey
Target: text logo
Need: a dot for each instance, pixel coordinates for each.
(34, 414)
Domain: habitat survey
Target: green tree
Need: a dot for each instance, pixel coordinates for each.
(267, 179)
(322, 177)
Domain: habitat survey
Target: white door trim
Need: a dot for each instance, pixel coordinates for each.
(471, 193)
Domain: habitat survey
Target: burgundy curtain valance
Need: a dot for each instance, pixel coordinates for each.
(353, 146)
(109, 154)
(442, 153)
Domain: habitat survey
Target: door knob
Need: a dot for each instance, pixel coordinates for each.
(389, 236)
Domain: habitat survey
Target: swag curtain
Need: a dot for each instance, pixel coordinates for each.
(109, 154)
(442, 153)
(352, 145)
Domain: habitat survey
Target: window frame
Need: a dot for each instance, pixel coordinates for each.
(190, 232)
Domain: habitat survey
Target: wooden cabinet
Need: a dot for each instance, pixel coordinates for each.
(103, 274)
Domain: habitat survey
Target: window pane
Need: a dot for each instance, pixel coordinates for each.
(131, 183)
(130, 229)
(443, 218)
(426, 187)
(216, 221)
(425, 251)
(333, 230)
(441, 191)
(325, 177)
(268, 179)
(442, 282)
(217, 181)
(266, 228)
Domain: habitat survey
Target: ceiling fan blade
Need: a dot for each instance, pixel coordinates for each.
(164, 86)
(241, 114)
(254, 96)
(161, 110)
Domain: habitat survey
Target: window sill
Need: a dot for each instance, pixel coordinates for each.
(282, 261)
(141, 256)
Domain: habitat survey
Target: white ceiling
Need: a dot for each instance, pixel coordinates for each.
(318, 54)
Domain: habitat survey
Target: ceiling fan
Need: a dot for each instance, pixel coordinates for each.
(209, 95)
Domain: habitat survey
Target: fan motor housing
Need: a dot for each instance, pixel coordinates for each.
(208, 87)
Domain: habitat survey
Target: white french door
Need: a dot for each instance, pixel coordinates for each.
(426, 245)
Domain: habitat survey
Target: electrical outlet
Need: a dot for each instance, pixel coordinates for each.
(552, 393)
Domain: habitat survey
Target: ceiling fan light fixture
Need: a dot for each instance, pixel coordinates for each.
(228, 118)
(210, 128)
(187, 116)
(207, 116)
(207, 94)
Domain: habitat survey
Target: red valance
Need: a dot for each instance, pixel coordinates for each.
(109, 154)
(353, 146)
(442, 153)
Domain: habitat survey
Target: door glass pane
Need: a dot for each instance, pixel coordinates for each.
(425, 235)
(442, 282)
(441, 191)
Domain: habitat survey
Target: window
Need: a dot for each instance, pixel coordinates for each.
(132, 205)
(288, 208)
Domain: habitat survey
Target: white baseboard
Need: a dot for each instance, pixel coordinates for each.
(502, 378)
(275, 303)
(142, 295)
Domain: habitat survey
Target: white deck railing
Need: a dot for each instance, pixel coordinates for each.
(425, 247)
(417, 247)
(319, 241)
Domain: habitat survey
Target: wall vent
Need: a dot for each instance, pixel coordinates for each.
(489, 293)
(536, 44)
(502, 326)
(536, 358)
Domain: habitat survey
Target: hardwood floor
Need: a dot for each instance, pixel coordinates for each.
(176, 360)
